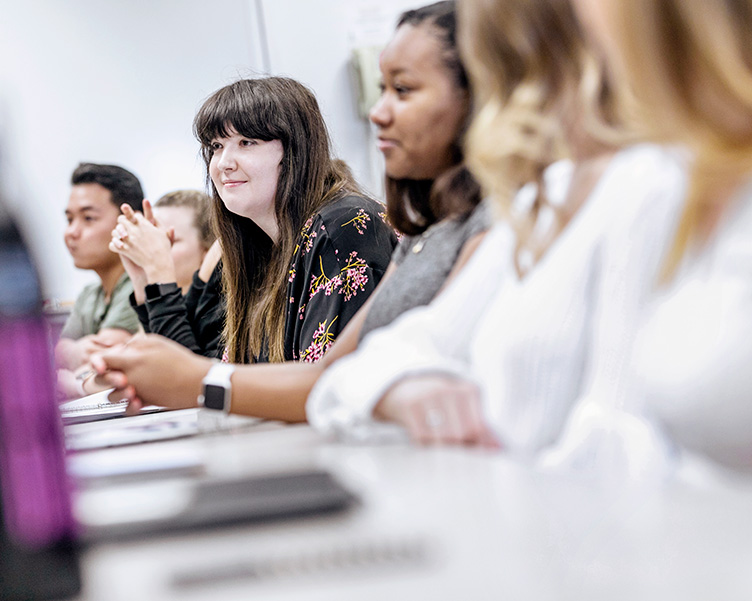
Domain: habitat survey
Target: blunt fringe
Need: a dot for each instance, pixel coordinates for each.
(254, 267)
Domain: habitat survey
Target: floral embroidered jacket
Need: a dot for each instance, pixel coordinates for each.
(341, 255)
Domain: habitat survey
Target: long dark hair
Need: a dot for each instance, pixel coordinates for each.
(415, 205)
(254, 268)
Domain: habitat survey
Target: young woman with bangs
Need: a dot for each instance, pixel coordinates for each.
(301, 248)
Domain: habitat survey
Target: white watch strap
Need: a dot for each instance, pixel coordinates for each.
(219, 374)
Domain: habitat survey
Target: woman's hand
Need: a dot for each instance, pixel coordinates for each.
(152, 370)
(438, 410)
(144, 244)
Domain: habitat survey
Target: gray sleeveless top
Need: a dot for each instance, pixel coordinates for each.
(424, 262)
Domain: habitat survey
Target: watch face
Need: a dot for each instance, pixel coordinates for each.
(155, 291)
(214, 397)
(152, 292)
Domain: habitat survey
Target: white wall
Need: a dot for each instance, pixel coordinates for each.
(311, 40)
(120, 81)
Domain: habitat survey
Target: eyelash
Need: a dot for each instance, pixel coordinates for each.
(399, 89)
(214, 146)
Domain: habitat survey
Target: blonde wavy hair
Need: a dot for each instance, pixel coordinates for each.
(687, 62)
(525, 60)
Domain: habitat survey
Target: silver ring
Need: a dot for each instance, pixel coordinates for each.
(434, 419)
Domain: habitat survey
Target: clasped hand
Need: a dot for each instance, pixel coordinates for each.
(143, 245)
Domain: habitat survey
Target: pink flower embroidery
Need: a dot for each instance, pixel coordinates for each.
(385, 219)
(322, 340)
(350, 279)
(322, 282)
(359, 221)
(307, 236)
(354, 276)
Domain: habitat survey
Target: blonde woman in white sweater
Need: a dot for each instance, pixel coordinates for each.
(544, 314)
(689, 63)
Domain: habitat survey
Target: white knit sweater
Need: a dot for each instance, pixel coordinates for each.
(693, 359)
(536, 346)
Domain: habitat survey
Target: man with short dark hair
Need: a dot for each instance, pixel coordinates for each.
(102, 315)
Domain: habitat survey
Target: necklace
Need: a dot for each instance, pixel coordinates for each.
(418, 246)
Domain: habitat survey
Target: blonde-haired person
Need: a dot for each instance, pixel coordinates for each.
(188, 215)
(689, 64)
(173, 260)
(544, 313)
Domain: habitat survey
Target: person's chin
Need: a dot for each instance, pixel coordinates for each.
(84, 263)
(397, 171)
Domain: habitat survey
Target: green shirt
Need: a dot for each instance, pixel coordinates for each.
(91, 313)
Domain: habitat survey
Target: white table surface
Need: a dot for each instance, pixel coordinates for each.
(434, 523)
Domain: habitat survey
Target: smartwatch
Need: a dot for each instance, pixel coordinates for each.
(154, 291)
(217, 390)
